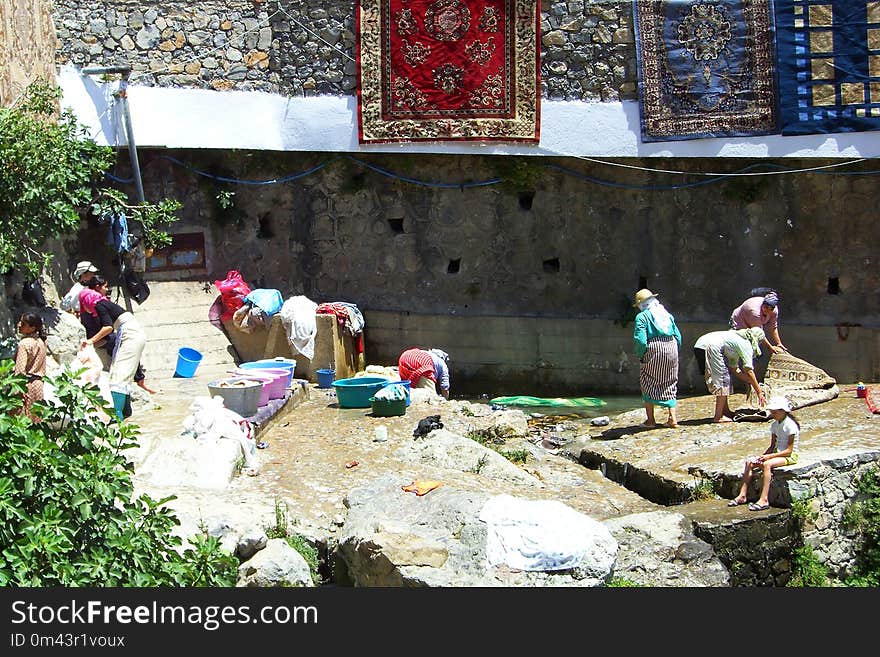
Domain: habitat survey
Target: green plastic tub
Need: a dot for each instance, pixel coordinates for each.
(388, 407)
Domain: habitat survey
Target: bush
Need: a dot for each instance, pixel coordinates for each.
(50, 172)
(67, 517)
(863, 515)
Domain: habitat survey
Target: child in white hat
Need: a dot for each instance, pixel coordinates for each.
(784, 433)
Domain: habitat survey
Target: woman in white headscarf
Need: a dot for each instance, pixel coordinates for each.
(721, 353)
(657, 340)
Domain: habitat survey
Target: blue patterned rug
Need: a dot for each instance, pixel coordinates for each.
(829, 65)
(705, 68)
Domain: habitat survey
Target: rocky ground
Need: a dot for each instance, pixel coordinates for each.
(342, 488)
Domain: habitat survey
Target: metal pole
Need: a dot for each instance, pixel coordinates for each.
(132, 148)
(125, 71)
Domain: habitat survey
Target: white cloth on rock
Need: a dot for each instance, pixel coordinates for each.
(298, 318)
(209, 419)
(544, 535)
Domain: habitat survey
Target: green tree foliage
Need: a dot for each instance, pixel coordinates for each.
(863, 515)
(49, 177)
(67, 517)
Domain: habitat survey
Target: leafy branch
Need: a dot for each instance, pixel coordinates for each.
(50, 175)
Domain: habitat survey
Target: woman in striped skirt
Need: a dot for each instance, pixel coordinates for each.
(657, 340)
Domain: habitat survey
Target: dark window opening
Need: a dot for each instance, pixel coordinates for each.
(186, 251)
(396, 225)
(454, 266)
(525, 200)
(833, 285)
(643, 282)
(265, 229)
(551, 266)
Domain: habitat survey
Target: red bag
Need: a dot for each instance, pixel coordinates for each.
(233, 290)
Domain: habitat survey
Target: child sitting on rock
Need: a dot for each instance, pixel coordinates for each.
(784, 432)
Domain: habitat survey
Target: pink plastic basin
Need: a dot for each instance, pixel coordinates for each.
(274, 382)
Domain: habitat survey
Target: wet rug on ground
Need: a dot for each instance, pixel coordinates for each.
(445, 70)
(801, 382)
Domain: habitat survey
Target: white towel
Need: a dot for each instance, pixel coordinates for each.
(544, 535)
(298, 318)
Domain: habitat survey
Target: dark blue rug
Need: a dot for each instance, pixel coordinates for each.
(705, 68)
(829, 65)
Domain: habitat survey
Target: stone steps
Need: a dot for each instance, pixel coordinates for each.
(176, 315)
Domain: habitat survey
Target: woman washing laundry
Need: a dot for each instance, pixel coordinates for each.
(425, 368)
(721, 353)
(130, 341)
(760, 311)
(657, 341)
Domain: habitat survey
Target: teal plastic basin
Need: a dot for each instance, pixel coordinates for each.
(356, 392)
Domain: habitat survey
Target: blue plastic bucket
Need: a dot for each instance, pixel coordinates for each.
(325, 378)
(406, 384)
(188, 360)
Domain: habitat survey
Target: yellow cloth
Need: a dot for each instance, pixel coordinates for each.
(422, 487)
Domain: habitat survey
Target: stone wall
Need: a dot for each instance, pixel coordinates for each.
(565, 247)
(537, 282)
(830, 487)
(308, 48)
(27, 46)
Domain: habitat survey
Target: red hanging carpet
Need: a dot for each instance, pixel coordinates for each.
(438, 70)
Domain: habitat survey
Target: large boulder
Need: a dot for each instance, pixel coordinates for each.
(277, 564)
(659, 549)
(444, 449)
(66, 333)
(395, 538)
(184, 461)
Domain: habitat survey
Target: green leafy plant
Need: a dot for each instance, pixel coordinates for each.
(67, 512)
(481, 463)
(514, 455)
(488, 438)
(862, 514)
(806, 569)
(621, 582)
(281, 529)
(50, 174)
(703, 489)
(225, 198)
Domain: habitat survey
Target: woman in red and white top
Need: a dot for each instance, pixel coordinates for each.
(425, 368)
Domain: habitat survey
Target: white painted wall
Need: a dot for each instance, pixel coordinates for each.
(196, 118)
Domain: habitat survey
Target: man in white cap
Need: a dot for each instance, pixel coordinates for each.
(81, 274)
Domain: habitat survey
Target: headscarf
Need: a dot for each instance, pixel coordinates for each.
(771, 299)
(754, 335)
(88, 298)
(442, 355)
(661, 316)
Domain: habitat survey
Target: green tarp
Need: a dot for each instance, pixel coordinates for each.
(572, 402)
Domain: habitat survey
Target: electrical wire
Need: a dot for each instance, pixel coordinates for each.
(316, 35)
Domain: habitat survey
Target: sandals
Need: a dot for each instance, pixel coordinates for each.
(735, 502)
(754, 506)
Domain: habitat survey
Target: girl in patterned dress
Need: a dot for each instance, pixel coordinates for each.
(30, 359)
